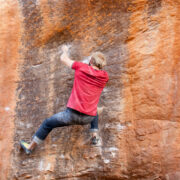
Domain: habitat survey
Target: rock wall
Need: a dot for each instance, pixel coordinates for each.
(140, 126)
(10, 35)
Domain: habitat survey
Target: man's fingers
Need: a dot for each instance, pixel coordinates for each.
(100, 110)
(65, 48)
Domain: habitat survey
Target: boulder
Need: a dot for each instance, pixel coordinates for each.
(140, 124)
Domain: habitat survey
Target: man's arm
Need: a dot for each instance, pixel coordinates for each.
(65, 57)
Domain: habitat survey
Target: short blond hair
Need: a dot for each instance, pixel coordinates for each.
(98, 59)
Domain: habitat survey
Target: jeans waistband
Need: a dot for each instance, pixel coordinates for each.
(77, 112)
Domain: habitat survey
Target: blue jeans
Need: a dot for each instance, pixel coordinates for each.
(65, 118)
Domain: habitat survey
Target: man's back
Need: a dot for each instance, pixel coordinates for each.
(87, 88)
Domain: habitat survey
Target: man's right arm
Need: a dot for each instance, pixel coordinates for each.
(65, 57)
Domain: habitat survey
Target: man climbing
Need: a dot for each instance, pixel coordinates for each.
(89, 81)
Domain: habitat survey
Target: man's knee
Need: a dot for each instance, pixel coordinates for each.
(48, 122)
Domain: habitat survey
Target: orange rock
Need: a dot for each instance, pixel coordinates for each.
(10, 32)
(139, 125)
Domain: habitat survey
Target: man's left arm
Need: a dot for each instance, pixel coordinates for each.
(65, 57)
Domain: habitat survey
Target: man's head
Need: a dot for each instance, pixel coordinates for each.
(98, 59)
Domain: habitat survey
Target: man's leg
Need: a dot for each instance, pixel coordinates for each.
(58, 120)
(94, 125)
(94, 130)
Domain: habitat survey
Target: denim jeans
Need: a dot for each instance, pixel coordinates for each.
(65, 118)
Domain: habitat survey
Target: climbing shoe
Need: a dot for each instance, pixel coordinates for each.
(95, 141)
(24, 145)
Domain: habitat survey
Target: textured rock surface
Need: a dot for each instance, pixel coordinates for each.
(140, 126)
(9, 57)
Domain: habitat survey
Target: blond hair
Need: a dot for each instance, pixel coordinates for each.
(98, 59)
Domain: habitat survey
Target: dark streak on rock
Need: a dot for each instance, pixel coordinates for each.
(32, 21)
(154, 6)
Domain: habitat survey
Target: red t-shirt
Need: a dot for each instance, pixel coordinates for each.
(87, 88)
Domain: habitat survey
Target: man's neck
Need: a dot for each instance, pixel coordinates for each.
(94, 67)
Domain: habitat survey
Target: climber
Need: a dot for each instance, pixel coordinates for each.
(89, 81)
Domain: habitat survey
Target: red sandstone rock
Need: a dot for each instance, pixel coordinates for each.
(139, 127)
(9, 58)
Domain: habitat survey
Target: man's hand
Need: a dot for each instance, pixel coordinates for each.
(65, 48)
(65, 57)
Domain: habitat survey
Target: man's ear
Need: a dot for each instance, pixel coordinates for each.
(90, 62)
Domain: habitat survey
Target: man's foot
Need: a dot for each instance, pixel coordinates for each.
(96, 141)
(25, 146)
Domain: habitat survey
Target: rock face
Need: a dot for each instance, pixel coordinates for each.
(140, 125)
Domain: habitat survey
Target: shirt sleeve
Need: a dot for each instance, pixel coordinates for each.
(106, 76)
(76, 65)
